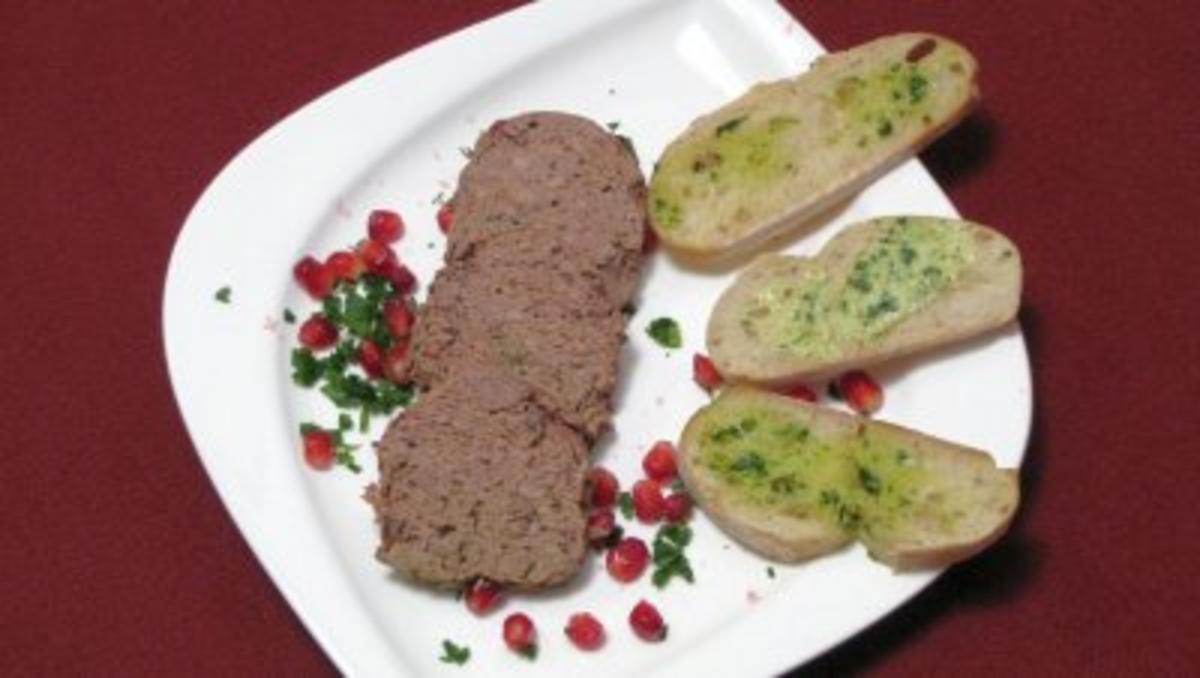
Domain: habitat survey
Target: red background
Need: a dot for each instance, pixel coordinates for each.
(119, 559)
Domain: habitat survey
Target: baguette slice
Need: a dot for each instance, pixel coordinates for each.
(787, 150)
(879, 289)
(793, 481)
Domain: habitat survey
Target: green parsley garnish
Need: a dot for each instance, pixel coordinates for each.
(770, 572)
(288, 316)
(356, 307)
(669, 558)
(613, 125)
(625, 503)
(223, 294)
(665, 331)
(454, 654)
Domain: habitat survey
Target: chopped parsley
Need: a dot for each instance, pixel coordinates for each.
(770, 572)
(730, 125)
(288, 316)
(223, 295)
(343, 452)
(625, 503)
(665, 332)
(613, 125)
(669, 558)
(356, 308)
(454, 654)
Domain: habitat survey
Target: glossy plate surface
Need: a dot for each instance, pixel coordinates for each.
(391, 138)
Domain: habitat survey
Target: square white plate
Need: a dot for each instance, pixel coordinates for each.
(390, 138)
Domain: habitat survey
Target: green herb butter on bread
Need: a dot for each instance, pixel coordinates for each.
(879, 289)
(793, 481)
(786, 150)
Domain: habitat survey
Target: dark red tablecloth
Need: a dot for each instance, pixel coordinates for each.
(118, 558)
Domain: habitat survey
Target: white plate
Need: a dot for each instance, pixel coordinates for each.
(391, 138)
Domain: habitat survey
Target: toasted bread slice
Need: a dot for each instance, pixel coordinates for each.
(880, 289)
(792, 481)
(787, 150)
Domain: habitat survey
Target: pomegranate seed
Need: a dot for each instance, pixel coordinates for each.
(398, 317)
(677, 507)
(601, 523)
(801, 392)
(316, 278)
(370, 356)
(585, 631)
(318, 449)
(705, 373)
(921, 50)
(628, 559)
(649, 240)
(345, 265)
(659, 462)
(482, 596)
(318, 332)
(402, 279)
(445, 218)
(648, 501)
(519, 634)
(647, 623)
(385, 226)
(375, 255)
(602, 487)
(396, 365)
(862, 393)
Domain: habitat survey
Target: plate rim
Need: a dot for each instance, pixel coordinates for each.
(340, 646)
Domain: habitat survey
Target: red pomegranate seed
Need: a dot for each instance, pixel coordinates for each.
(628, 559)
(602, 487)
(402, 279)
(483, 596)
(921, 50)
(398, 317)
(705, 373)
(345, 265)
(318, 449)
(396, 364)
(316, 278)
(600, 525)
(375, 255)
(862, 393)
(649, 240)
(677, 507)
(318, 332)
(659, 462)
(519, 633)
(445, 217)
(801, 392)
(648, 501)
(370, 356)
(385, 226)
(585, 631)
(647, 623)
